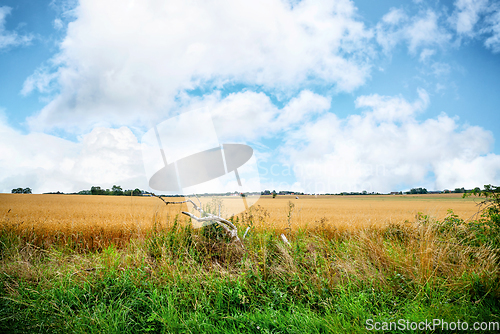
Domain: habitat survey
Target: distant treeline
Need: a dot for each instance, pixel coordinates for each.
(21, 191)
(115, 191)
(118, 191)
(446, 191)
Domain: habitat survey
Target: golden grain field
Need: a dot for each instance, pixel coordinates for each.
(89, 214)
(353, 212)
(114, 218)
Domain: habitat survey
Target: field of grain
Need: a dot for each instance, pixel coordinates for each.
(108, 264)
(353, 212)
(120, 217)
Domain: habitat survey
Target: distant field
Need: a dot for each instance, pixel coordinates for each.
(367, 210)
(120, 216)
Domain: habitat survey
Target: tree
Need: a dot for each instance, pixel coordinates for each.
(117, 190)
(95, 190)
(17, 191)
(27, 191)
(417, 191)
(491, 204)
(137, 192)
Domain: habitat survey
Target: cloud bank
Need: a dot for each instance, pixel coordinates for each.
(384, 148)
(122, 63)
(387, 148)
(47, 163)
(124, 66)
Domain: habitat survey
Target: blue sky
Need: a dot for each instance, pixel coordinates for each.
(332, 95)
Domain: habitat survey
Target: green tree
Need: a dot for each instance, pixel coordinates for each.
(96, 190)
(137, 192)
(27, 191)
(417, 191)
(117, 190)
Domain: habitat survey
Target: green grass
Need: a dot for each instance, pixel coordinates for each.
(180, 280)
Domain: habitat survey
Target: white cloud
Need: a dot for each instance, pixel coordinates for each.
(47, 163)
(113, 156)
(478, 19)
(251, 117)
(387, 148)
(440, 69)
(10, 38)
(395, 16)
(42, 80)
(493, 27)
(426, 54)
(466, 15)
(425, 30)
(420, 31)
(392, 109)
(58, 24)
(126, 63)
(388, 32)
(469, 173)
(430, 29)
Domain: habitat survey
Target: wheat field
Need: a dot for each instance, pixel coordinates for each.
(119, 216)
(85, 261)
(354, 212)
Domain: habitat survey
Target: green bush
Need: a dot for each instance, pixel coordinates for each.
(487, 227)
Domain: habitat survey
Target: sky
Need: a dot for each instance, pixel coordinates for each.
(332, 95)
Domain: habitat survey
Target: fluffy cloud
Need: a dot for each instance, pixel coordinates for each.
(384, 148)
(420, 31)
(48, 163)
(478, 19)
(108, 156)
(121, 63)
(10, 38)
(387, 148)
(138, 62)
(251, 116)
(466, 15)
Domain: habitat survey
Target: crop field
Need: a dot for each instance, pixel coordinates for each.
(97, 221)
(116, 264)
(354, 212)
(120, 215)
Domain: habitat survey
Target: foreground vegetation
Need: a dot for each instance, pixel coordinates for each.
(176, 279)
